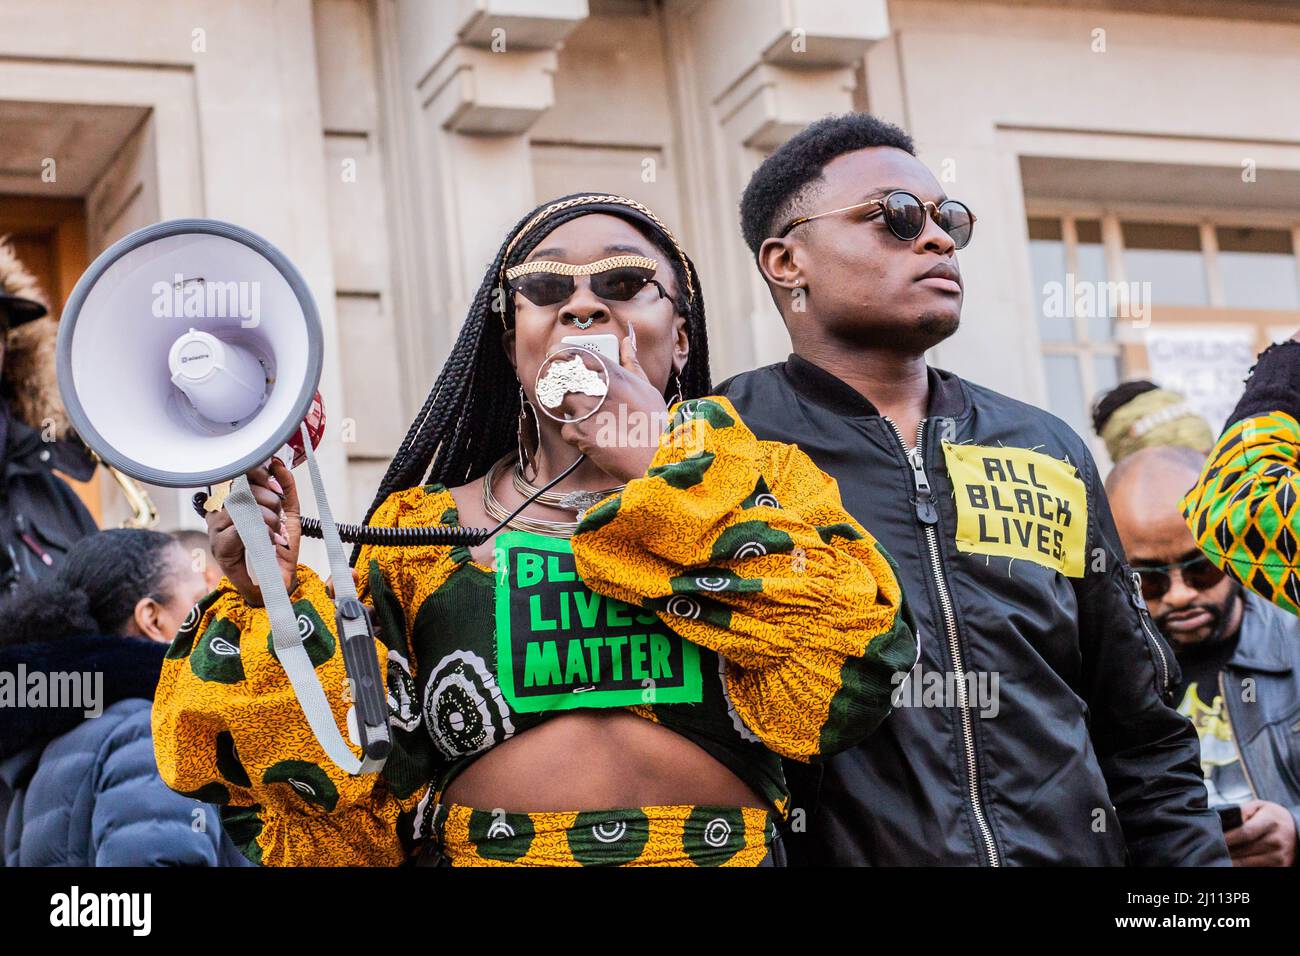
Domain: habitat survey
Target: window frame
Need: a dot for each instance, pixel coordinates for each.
(1128, 343)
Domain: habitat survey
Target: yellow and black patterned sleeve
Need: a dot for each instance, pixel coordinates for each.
(744, 547)
(1243, 510)
(229, 730)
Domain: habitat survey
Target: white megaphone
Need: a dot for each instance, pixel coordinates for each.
(189, 353)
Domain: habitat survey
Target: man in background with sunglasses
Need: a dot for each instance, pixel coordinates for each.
(1239, 655)
(1034, 729)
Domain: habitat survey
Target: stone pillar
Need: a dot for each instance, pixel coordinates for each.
(472, 78)
(747, 75)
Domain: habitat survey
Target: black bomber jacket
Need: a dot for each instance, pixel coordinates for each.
(1059, 746)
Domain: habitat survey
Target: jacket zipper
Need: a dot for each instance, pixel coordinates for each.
(928, 515)
(1241, 751)
(1143, 616)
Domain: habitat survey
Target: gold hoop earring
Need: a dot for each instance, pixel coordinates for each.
(526, 462)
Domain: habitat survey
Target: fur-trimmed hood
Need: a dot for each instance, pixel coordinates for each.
(128, 667)
(27, 380)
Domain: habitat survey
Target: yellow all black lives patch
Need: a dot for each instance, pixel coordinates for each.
(1017, 503)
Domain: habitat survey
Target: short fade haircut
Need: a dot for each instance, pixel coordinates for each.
(787, 177)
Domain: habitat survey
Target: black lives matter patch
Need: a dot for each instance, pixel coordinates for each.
(562, 646)
(1017, 503)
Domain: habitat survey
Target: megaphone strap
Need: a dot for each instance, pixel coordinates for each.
(354, 628)
(247, 516)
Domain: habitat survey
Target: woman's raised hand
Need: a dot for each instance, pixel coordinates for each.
(622, 444)
(277, 495)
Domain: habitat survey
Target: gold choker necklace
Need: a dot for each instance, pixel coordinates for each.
(577, 501)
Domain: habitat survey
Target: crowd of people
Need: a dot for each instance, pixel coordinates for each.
(693, 644)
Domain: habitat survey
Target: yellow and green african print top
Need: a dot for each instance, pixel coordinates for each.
(1243, 509)
(725, 595)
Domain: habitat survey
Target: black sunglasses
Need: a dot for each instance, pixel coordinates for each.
(1198, 573)
(905, 216)
(613, 285)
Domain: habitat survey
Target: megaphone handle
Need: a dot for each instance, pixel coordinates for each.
(356, 632)
(285, 635)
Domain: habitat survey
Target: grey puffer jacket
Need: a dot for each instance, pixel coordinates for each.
(85, 791)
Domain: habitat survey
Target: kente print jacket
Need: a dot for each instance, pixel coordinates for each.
(1243, 509)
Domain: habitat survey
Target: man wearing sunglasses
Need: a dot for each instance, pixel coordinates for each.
(1239, 656)
(1034, 729)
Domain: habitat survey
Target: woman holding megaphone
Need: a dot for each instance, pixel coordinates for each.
(614, 678)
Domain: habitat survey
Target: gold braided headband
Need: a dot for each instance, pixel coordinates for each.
(569, 269)
(611, 200)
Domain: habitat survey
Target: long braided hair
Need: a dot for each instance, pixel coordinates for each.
(468, 422)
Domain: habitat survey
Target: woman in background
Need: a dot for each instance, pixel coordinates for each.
(1140, 414)
(78, 775)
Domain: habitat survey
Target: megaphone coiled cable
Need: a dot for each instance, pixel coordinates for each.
(436, 536)
(401, 537)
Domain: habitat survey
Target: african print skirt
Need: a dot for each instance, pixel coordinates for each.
(637, 836)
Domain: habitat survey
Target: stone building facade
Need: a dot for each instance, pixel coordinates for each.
(386, 145)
